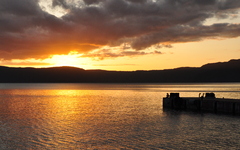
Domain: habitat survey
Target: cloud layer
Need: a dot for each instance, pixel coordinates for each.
(27, 30)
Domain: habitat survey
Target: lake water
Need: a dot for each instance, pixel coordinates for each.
(112, 116)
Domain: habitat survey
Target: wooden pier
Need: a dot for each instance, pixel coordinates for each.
(207, 103)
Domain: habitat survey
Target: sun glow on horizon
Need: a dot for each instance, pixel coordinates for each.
(71, 59)
(194, 54)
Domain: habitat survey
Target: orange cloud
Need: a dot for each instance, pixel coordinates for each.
(29, 31)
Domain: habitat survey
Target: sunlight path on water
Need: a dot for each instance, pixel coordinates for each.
(111, 116)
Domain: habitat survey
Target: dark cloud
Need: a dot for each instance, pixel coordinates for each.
(21, 8)
(62, 3)
(137, 1)
(91, 1)
(206, 2)
(28, 31)
(183, 34)
(108, 53)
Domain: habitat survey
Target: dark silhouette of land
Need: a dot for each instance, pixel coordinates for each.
(214, 72)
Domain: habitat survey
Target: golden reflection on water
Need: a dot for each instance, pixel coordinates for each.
(130, 118)
(59, 116)
(62, 115)
(56, 115)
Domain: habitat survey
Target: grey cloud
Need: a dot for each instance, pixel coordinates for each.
(61, 3)
(228, 4)
(29, 31)
(108, 53)
(206, 2)
(181, 34)
(20, 8)
(137, 1)
(91, 1)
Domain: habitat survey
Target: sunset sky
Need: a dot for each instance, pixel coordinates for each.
(118, 34)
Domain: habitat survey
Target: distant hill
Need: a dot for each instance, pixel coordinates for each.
(214, 72)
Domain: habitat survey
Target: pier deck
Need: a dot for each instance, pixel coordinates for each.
(206, 104)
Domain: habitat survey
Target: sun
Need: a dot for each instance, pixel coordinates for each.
(71, 59)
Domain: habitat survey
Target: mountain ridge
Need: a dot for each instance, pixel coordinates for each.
(211, 72)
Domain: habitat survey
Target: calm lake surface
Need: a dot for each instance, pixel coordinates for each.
(112, 116)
